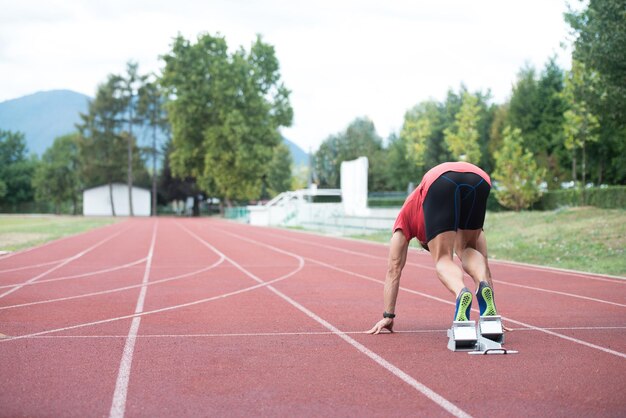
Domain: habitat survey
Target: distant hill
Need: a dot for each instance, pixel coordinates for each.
(43, 116)
(46, 115)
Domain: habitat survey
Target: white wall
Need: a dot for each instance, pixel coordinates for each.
(96, 201)
(354, 186)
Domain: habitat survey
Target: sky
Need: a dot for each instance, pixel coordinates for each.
(341, 59)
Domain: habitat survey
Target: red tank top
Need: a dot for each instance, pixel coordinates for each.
(411, 217)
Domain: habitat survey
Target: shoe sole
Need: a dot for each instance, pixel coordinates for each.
(487, 295)
(464, 304)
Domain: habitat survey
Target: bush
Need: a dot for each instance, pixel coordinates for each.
(610, 197)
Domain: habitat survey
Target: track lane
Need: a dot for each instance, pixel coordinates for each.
(305, 368)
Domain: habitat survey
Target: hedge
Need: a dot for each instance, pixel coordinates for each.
(608, 197)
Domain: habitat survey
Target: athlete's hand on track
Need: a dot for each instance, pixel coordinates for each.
(385, 323)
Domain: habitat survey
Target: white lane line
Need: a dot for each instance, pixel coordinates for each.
(160, 310)
(546, 331)
(396, 371)
(56, 241)
(78, 276)
(561, 293)
(117, 289)
(32, 266)
(301, 333)
(497, 281)
(58, 266)
(121, 386)
(592, 276)
(555, 334)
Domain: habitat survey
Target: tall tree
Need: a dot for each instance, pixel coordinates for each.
(517, 175)
(600, 37)
(358, 140)
(225, 111)
(57, 177)
(279, 174)
(151, 109)
(101, 141)
(131, 83)
(401, 171)
(462, 138)
(581, 126)
(16, 169)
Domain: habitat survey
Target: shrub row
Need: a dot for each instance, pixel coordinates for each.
(609, 197)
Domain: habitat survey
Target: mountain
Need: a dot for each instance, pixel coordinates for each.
(46, 115)
(299, 156)
(43, 116)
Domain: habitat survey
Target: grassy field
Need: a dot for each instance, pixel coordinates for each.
(23, 231)
(587, 239)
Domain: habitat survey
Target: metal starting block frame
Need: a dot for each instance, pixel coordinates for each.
(487, 338)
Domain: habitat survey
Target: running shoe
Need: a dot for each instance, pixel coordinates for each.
(486, 302)
(463, 305)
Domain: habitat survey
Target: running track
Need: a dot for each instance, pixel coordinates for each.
(202, 317)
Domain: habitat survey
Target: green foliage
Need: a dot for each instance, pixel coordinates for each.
(517, 175)
(57, 178)
(400, 170)
(610, 197)
(359, 140)
(580, 125)
(16, 169)
(600, 32)
(279, 173)
(462, 137)
(225, 111)
(101, 145)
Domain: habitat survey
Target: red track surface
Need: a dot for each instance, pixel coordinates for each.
(234, 320)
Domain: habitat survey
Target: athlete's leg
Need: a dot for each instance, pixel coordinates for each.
(442, 250)
(475, 264)
(473, 260)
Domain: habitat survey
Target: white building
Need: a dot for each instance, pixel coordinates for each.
(97, 201)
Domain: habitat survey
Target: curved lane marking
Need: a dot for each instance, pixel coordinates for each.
(118, 289)
(32, 266)
(58, 266)
(387, 365)
(78, 276)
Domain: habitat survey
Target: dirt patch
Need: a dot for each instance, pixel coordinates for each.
(12, 239)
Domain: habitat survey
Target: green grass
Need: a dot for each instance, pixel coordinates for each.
(19, 231)
(586, 239)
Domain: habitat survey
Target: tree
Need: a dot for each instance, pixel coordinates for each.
(16, 170)
(151, 109)
(130, 84)
(57, 179)
(600, 36)
(462, 137)
(101, 142)
(599, 33)
(580, 126)
(225, 111)
(279, 173)
(417, 128)
(358, 140)
(517, 176)
(401, 172)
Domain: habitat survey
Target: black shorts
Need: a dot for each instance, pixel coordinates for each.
(455, 201)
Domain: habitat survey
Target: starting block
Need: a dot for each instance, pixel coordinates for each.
(487, 338)
(462, 336)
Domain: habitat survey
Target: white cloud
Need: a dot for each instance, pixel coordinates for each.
(341, 59)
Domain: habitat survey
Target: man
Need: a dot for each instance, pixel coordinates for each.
(445, 213)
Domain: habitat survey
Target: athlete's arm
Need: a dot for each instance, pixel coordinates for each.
(397, 259)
